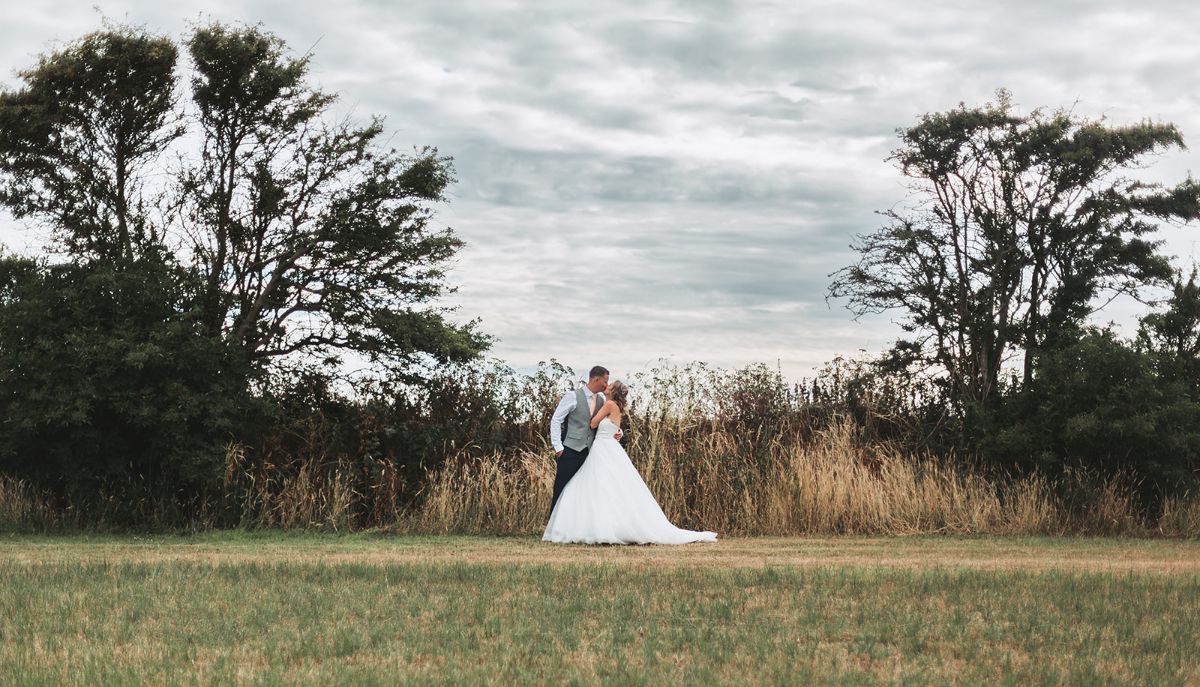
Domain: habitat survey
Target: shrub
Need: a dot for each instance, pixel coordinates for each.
(106, 386)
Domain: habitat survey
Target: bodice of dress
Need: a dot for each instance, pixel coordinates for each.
(606, 429)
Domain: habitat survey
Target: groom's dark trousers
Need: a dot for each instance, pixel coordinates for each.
(567, 465)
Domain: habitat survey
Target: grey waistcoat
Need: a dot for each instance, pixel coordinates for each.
(578, 433)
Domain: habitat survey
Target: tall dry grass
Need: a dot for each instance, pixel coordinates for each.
(1180, 517)
(313, 494)
(831, 484)
(705, 476)
(23, 508)
(497, 494)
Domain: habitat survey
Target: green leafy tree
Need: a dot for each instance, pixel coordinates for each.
(1099, 403)
(1020, 225)
(1173, 334)
(76, 141)
(311, 238)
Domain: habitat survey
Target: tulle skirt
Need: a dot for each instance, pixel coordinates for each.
(607, 502)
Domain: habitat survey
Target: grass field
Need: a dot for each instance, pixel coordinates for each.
(363, 609)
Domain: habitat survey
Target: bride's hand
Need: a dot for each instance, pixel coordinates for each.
(618, 435)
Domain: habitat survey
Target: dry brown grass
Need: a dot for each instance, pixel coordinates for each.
(705, 475)
(23, 507)
(831, 484)
(317, 494)
(493, 494)
(1180, 517)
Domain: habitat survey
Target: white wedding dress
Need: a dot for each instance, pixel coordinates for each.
(607, 502)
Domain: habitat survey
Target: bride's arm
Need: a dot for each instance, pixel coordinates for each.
(605, 411)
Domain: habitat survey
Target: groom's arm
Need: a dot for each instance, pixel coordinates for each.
(565, 406)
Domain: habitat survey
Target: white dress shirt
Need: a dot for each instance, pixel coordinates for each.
(565, 406)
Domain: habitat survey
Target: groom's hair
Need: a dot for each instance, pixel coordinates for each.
(597, 371)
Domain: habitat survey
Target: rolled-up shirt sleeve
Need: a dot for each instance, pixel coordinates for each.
(565, 406)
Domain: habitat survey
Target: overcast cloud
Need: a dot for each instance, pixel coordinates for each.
(678, 179)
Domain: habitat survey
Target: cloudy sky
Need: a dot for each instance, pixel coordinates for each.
(678, 179)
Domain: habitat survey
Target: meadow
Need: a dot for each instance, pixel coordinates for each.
(376, 608)
(848, 555)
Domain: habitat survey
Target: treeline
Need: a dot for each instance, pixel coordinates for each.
(217, 232)
(222, 243)
(853, 450)
(1018, 230)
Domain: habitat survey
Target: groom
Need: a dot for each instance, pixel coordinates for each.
(572, 441)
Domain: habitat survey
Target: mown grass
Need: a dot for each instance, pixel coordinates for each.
(370, 609)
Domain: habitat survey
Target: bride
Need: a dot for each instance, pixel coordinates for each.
(607, 502)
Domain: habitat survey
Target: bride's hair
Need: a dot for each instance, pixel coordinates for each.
(620, 395)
